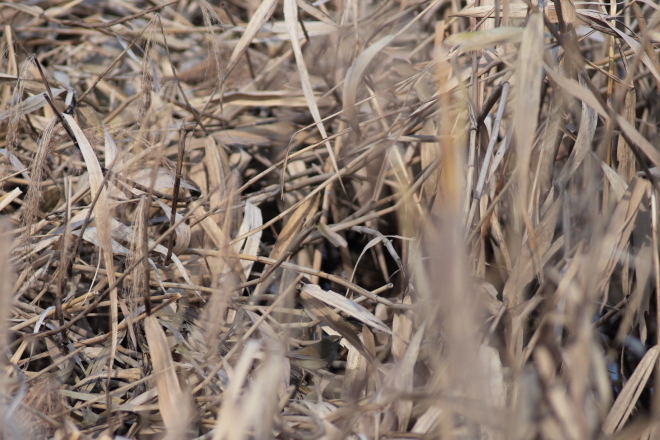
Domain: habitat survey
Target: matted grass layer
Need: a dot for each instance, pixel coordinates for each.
(192, 192)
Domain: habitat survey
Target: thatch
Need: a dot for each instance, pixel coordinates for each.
(465, 192)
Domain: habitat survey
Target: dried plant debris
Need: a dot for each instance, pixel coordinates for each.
(299, 219)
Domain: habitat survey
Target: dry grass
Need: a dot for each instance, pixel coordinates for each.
(465, 192)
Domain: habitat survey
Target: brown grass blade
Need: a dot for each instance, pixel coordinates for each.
(173, 403)
(625, 403)
(527, 100)
(354, 77)
(345, 305)
(291, 19)
(497, 292)
(261, 15)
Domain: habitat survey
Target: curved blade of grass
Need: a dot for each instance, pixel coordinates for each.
(585, 95)
(353, 77)
(101, 218)
(172, 402)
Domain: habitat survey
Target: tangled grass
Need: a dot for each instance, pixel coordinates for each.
(465, 192)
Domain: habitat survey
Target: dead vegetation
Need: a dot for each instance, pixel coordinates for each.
(191, 192)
